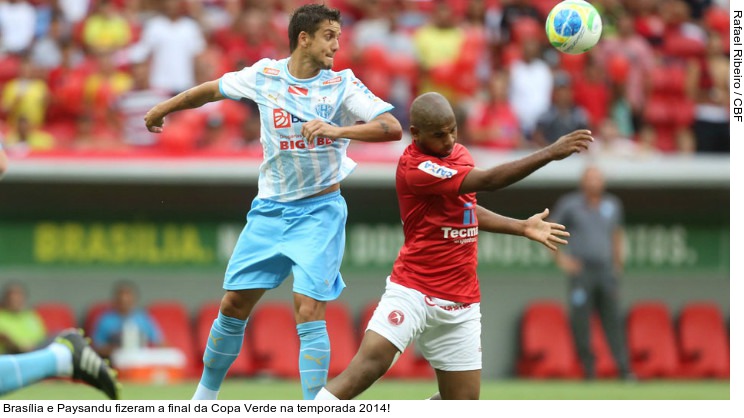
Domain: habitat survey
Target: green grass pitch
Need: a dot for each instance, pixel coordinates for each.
(269, 389)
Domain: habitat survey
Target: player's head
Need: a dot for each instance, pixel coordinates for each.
(592, 182)
(433, 124)
(314, 30)
(14, 297)
(125, 296)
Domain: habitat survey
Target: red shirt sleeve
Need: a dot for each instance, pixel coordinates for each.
(434, 177)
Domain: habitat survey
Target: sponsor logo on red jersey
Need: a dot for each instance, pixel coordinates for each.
(437, 170)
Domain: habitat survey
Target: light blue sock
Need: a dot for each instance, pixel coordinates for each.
(21, 370)
(223, 347)
(315, 357)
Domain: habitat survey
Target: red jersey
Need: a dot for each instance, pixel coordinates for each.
(439, 256)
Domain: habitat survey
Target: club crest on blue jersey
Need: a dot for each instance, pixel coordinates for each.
(324, 109)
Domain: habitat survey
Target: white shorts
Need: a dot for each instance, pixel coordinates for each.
(448, 334)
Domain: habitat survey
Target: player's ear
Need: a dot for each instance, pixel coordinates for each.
(303, 39)
(414, 131)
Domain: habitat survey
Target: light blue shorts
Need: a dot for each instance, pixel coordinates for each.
(306, 237)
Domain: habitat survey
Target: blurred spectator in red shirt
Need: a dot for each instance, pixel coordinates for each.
(246, 40)
(491, 122)
(591, 92)
(513, 11)
(635, 50)
(93, 136)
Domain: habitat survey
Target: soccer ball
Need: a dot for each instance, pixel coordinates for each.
(573, 26)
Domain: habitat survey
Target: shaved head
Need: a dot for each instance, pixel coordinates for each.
(430, 110)
(433, 124)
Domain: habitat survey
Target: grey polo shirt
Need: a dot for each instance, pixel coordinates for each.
(591, 228)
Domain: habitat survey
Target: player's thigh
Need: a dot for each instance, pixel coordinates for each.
(400, 315)
(459, 385)
(257, 261)
(315, 241)
(451, 340)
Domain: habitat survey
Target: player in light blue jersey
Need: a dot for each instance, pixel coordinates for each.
(296, 223)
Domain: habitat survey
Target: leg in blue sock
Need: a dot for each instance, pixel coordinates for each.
(315, 357)
(21, 370)
(223, 346)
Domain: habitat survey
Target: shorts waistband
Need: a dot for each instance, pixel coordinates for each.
(310, 200)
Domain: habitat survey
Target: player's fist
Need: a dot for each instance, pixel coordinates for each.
(154, 121)
(576, 141)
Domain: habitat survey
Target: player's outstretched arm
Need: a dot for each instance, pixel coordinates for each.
(385, 127)
(509, 173)
(535, 227)
(192, 98)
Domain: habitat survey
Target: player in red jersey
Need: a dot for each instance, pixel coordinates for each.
(433, 295)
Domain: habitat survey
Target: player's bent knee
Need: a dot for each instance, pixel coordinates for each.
(234, 305)
(308, 309)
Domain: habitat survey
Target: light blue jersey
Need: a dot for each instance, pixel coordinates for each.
(292, 168)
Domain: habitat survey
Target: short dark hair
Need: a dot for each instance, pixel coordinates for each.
(307, 18)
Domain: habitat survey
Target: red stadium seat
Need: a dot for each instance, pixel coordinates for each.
(652, 346)
(243, 364)
(343, 336)
(546, 345)
(702, 338)
(273, 340)
(410, 365)
(174, 322)
(56, 316)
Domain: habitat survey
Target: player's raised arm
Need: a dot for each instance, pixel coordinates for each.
(535, 227)
(382, 128)
(192, 98)
(509, 173)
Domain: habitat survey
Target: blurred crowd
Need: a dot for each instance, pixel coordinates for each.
(77, 76)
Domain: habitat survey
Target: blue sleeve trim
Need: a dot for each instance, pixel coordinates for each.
(222, 92)
(387, 109)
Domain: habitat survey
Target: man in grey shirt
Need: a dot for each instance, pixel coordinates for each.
(593, 260)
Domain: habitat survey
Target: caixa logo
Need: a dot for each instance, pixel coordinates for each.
(437, 170)
(284, 119)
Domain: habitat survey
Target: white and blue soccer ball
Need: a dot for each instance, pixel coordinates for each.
(573, 26)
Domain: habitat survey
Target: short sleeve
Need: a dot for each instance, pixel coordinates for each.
(359, 104)
(429, 178)
(241, 84)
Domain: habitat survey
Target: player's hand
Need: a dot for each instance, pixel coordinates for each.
(316, 128)
(574, 142)
(154, 121)
(546, 233)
